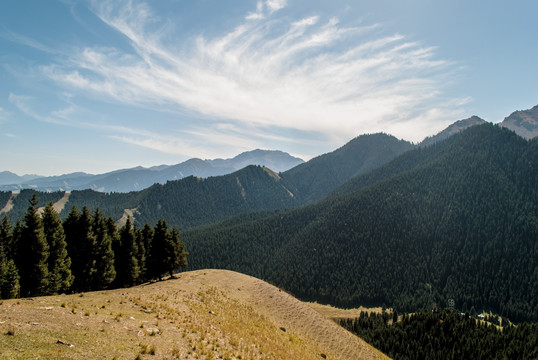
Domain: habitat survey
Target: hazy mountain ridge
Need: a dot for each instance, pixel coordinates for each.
(7, 177)
(139, 178)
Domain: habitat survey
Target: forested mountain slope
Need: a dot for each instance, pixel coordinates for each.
(194, 201)
(460, 224)
(184, 203)
(312, 180)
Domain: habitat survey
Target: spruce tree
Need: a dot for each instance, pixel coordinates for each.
(9, 279)
(16, 237)
(32, 254)
(167, 251)
(144, 239)
(126, 258)
(80, 246)
(112, 230)
(178, 254)
(6, 238)
(103, 271)
(59, 262)
(158, 253)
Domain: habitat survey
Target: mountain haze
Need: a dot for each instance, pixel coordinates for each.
(7, 177)
(139, 178)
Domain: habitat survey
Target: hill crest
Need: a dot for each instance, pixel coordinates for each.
(205, 313)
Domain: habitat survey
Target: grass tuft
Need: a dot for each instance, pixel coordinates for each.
(10, 331)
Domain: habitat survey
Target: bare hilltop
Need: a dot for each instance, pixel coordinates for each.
(205, 314)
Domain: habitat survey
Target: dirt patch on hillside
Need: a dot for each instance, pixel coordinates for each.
(207, 314)
(59, 205)
(9, 204)
(127, 213)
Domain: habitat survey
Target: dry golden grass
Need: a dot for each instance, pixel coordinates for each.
(207, 314)
(336, 313)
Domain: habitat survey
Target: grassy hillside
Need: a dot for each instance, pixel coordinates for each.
(458, 220)
(204, 314)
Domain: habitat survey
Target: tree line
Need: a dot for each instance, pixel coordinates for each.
(444, 335)
(41, 255)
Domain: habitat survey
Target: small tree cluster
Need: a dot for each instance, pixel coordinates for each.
(43, 256)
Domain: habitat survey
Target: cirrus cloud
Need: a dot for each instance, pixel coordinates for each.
(269, 74)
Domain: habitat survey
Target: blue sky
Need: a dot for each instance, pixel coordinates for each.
(96, 86)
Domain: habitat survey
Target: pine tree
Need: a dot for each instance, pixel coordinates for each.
(6, 238)
(158, 253)
(15, 240)
(178, 254)
(144, 239)
(32, 254)
(126, 256)
(80, 246)
(167, 251)
(59, 262)
(9, 279)
(103, 272)
(112, 230)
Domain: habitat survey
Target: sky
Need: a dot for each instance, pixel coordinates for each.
(96, 86)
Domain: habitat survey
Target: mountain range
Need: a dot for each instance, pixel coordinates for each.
(524, 123)
(379, 221)
(139, 178)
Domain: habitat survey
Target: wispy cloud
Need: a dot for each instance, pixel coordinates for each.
(264, 7)
(274, 5)
(307, 75)
(26, 41)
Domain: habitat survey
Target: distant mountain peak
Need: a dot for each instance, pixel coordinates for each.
(453, 129)
(8, 177)
(523, 122)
